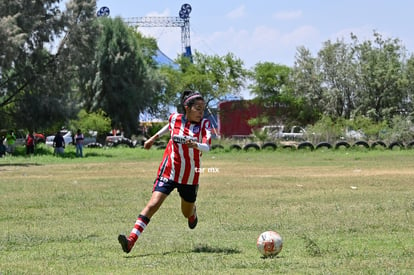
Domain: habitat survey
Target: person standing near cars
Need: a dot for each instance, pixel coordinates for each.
(30, 143)
(11, 142)
(79, 143)
(59, 144)
(3, 148)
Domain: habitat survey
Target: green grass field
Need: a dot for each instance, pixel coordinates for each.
(339, 212)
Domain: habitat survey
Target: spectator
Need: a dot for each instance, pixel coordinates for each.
(79, 143)
(30, 143)
(2, 147)
(59, 144)
(11, 142)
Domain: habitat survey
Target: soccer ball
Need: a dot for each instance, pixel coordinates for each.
(269, 243)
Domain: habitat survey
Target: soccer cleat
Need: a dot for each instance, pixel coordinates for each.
(192, 221)
(125, 243)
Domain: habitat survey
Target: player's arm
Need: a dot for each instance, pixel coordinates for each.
(151, 140)
(203, 146)
(197, 145)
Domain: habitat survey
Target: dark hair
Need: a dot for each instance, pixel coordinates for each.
(189, 97)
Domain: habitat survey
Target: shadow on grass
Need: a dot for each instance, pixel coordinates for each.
(43, 150)
(204, 248)
(200, 248)
(92, 154)
(20, 164)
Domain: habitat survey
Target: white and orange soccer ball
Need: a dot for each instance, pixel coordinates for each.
(269, 243)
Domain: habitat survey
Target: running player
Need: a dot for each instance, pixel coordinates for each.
(180, 165)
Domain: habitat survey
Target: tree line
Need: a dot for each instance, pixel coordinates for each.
(59, 64)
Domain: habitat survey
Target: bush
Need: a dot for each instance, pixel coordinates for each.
(97, 121)
(371, 129)
(401, 129)
(324, 129)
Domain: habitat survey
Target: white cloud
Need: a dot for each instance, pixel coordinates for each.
(301, 36)
(164, 13)
(288, 15)
(261, 44)
(237, 13)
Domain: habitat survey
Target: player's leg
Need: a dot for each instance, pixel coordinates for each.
(160, 192)
(142, 221)
(189, 211)
(187, 208)
(188, 194)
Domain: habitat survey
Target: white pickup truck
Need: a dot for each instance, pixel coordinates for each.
(279, 132)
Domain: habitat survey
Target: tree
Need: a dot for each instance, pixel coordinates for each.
(409, 77)
(360, 79)
(26, 26)
(36, 85)
(270, 80)
(149, 50)
(273, 87)
(124, 84)
(338, 68)
(307, 84)
(213, 76)
(381, 90)
(77, 48)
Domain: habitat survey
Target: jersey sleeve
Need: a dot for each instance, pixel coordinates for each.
(170, 126)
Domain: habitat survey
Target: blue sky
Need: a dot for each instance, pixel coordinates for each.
(261, 31)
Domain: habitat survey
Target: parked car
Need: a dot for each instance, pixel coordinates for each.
(67, 136)
(90, 137)
(39, 138)
(112, 139)
(280, 132)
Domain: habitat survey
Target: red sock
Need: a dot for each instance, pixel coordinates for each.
(139, 227)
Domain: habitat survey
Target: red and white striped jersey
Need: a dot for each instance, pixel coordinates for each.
(181, 163)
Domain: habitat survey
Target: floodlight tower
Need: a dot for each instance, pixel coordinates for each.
(103, 12)
(182, 21)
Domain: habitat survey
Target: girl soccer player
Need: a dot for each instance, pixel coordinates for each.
(180, 165)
